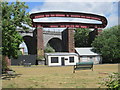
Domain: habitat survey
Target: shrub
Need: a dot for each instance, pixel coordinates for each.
(112, 81)
(40, 57)
(19, 52)
(49, 49)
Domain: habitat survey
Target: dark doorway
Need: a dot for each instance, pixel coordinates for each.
(62, 61)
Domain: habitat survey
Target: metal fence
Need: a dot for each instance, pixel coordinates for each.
(24, 59)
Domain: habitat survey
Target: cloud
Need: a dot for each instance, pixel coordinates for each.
(107, 9)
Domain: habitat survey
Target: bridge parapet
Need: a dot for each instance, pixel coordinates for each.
(25, 33)
(52, 32)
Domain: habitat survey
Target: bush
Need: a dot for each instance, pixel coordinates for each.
(112, 81)
(19, 53)
(49, 49)
(40, 57)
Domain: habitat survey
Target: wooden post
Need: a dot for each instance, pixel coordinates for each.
(74, 69)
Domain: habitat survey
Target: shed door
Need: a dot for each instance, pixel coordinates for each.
(62, 61)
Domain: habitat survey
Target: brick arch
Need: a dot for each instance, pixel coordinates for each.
(56, 44)
(30, 44)
(49, 36)
(25, 48)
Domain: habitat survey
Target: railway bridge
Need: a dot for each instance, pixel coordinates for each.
(54, 38)
(37, 40)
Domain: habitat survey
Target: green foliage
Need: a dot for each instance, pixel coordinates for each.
(112, 81)
(49, 49)
(13, 16)
(81, 37)
(108, 44)
(40, 57)
(19, 52)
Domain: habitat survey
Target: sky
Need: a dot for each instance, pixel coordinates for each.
(108, 9)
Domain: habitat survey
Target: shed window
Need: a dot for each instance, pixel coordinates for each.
(54, 59)
(91, 57)
(71, 59)
(66, 58)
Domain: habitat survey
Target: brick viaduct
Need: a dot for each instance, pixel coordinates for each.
(58, 40)
(38, 41)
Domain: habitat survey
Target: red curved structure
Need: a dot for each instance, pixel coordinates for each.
(68, 24)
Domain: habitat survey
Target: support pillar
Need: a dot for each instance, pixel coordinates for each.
(96, 31)
(40, 43)
(92, 35)
(68, 40)
(71, 46)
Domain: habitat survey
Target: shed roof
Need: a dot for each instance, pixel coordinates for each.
(85, 51)
(60, 54)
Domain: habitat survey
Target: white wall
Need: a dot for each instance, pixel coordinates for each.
(67, 61)
(95, 59)
(59, 60)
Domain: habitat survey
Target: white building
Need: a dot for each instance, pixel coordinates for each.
(86, 55)
(61, 59)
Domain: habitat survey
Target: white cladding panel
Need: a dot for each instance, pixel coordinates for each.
(95, 59)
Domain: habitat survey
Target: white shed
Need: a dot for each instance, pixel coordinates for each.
(86, 55)
(61, 59)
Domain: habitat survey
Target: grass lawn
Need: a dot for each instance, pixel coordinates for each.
(58, 77)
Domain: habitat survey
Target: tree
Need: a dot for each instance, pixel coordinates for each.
(13, 16)
(108, 44)
(81, 37)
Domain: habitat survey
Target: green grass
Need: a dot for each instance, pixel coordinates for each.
(59, 77)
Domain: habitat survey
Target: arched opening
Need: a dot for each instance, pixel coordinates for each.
(30, 44)
(56, 44)
(23, 48)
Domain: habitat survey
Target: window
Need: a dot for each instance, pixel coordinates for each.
(71, 59)
(54, 59)
(91, 57)
(66, 58)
